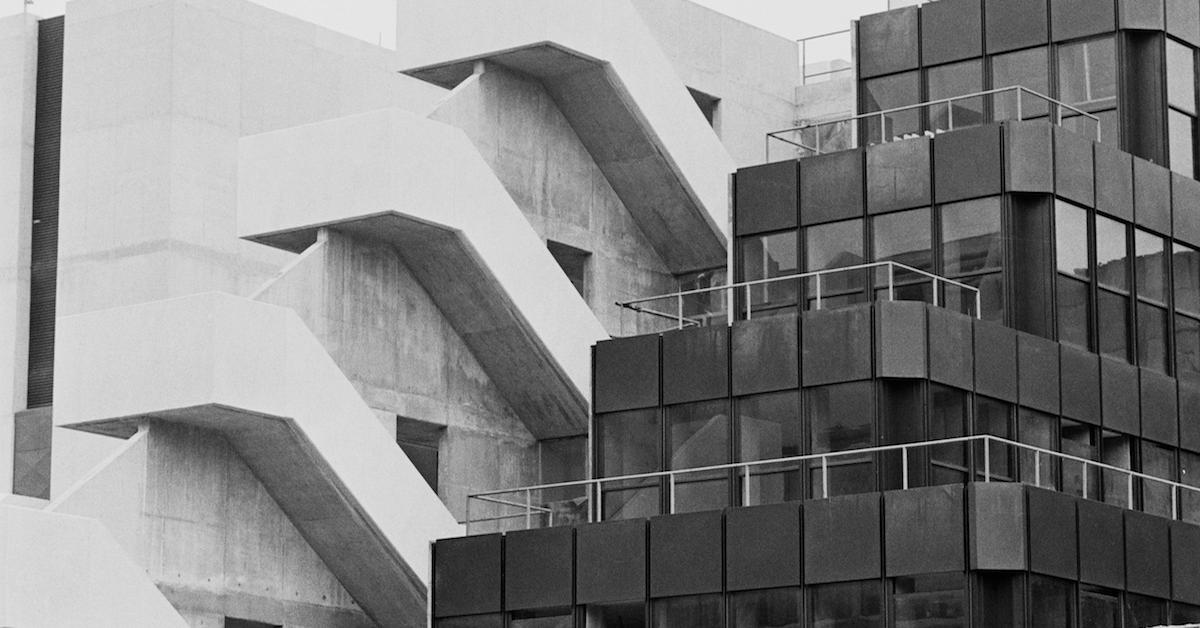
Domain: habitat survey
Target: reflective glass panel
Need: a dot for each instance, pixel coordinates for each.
(1112, 254)
(994, 417)
(1071, 239)
(1087, 73)
(1079, 440)
(1189, 474)
(1099, 609)
(904, 237)
(835, 245)
(1073, 314)
(1116, 450)
(1040, 430)
(1152, 337)
(1184, 613)
(841, 417)
(1181, 131)
(902, 420)
(948, 411)
(1112, 318)
(1151, 265)
(847, 605)
(769, 427)
(471, 621)
(1186, 267)
(1144, 611)
(689, 611)
(557, 618)
(1051, 603)
(1158, 461)
(629, 443)
(767, 256)
(948, 81)
(1028, 68)
(1181, 77)
(889, 92)
(767, 608)
(971, 236)
(1001, 600)
(1187, 347)
(615, 615)
(927, 601)
(698, 436)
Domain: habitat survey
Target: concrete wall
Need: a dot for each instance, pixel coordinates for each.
(550, 175)
(18, 75)
(751, 70)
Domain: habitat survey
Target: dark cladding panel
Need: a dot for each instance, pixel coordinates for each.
(695, 364)
(1074, 167)
(951, 30)
(1030, 153)
(831, 187)
(1119, 396)
(951, 358)
(1013, 24)
(1037, 369)
(765, 355)
(831, 528)
(1101, 534)
(898, 174)
(1160, 412)
(685, 554)
(924, 531)
(995, 361)
(466, 575)
(1052, 530)
(767, 197)
(538, 567)
(997, 536)
(762, 547)
(1185, 208)
(1183, 20)
(1185, 575)
(888, 42)
(610, 561)
(1070, 19)
(1147, 554)
(1152, 196)
(626, 373)
(966, 164)
(836, 345)
(901, 343)
(1080, 384)
(1114, 182)
(1189, 417)
(1141, 14)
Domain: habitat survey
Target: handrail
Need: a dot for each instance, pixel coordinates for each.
(595, 486)
(882, 115)
(803, 42)
(892, 267)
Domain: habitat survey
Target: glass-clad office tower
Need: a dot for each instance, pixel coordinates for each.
(957, 382)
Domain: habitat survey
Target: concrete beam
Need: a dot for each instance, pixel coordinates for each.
(422, 187)
(254, 373)
(617, 89)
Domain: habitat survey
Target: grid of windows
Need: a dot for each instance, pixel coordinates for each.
(1181, 107)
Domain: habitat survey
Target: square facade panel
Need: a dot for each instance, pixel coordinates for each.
(967, 164)
(765, 354)
(924, 531)
(1030, 157)
(1080, 384)
(888, 42)
(951, 30)
(762, 547)
(836, 345)
(1189, 412)
(901, 345)
(610, 561)
(1152, 196)
(951, 355)
(1185, 576)
(1183, 20)
(1037, 366)
(1074, 167)
(1120, 404)
(1052, 534)
(1147, 554)
(695, 364)
(1101, 535)
(767, 197)
(1141, 14)
(1114, 182)
(995, 361)
(1185, 208)
(1072, 19)
(466, 575)
(1014, 24)
(831, 187)
(539, 568)
(1160, 410)
(685, 554)
(898, 174)
(998, 532)
(626, 373)
(835, 524)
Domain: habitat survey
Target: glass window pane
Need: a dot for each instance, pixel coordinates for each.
(1113, 319)
(1099, 610)
(1158, 461)
(836, 245)
(689, 611)
(971, 236)
(1071, 239)
(698, 436)
(889, 92)
(994, 417)
(902, 420)
(615, 615)
(471, 621)
(1112, 254)
(767, 256)
(1152, 337)
(1116, 450)
(768, 608)
(1087, 73)
(629, 443)
(1079, 440)
(1144, 611)
(948, 81)
(1187, 347)
(1181, 133)
(1028, 68)
(1186, 264)
(1184, 613)
(903, 237)
(1051, 603)
(1040, 430)
(557, 618)
(1073, 311)
(1151, 265)
(1189, 474)
(769, 427)
(847, 605)
(1181, 77)
(930, 600)
(842, 417)
(948, 411)
(1001, 600)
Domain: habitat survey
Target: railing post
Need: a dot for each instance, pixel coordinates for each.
(748, 302)
(824, 477)
(978, 305)
(818, 278)
(1020, 92)
(1037, 468)
(1130, 477)
(599, 503)
(746, 487)
(904, 468)
(468, 513)
(1084, 465)
(528, 509)
(935, 291)
(817, 131)
(1174, 501)
(950, 114)
(882, 129)
(987, 459)
(891, 281)
(671, 493)
(679, 309)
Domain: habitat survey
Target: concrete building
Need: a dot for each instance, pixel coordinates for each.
(274, 301)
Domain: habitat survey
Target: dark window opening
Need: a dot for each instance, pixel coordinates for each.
(542, 618)
(768, 427)
(615, 615)
(231, 622)
(930, 600)
(419, 441)
(767, 608)
(689, 611)
(698, 436)
(707, 104)
(847, 605)
(573, 262)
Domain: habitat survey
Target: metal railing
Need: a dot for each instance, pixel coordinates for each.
(680, 307)
(832, 72)
(518, 508)
(899, 123)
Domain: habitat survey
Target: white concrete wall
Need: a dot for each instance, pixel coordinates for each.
(18, 77)
(754, 72)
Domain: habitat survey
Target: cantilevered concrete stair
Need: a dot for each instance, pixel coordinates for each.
(422, 187)
(255, 373)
